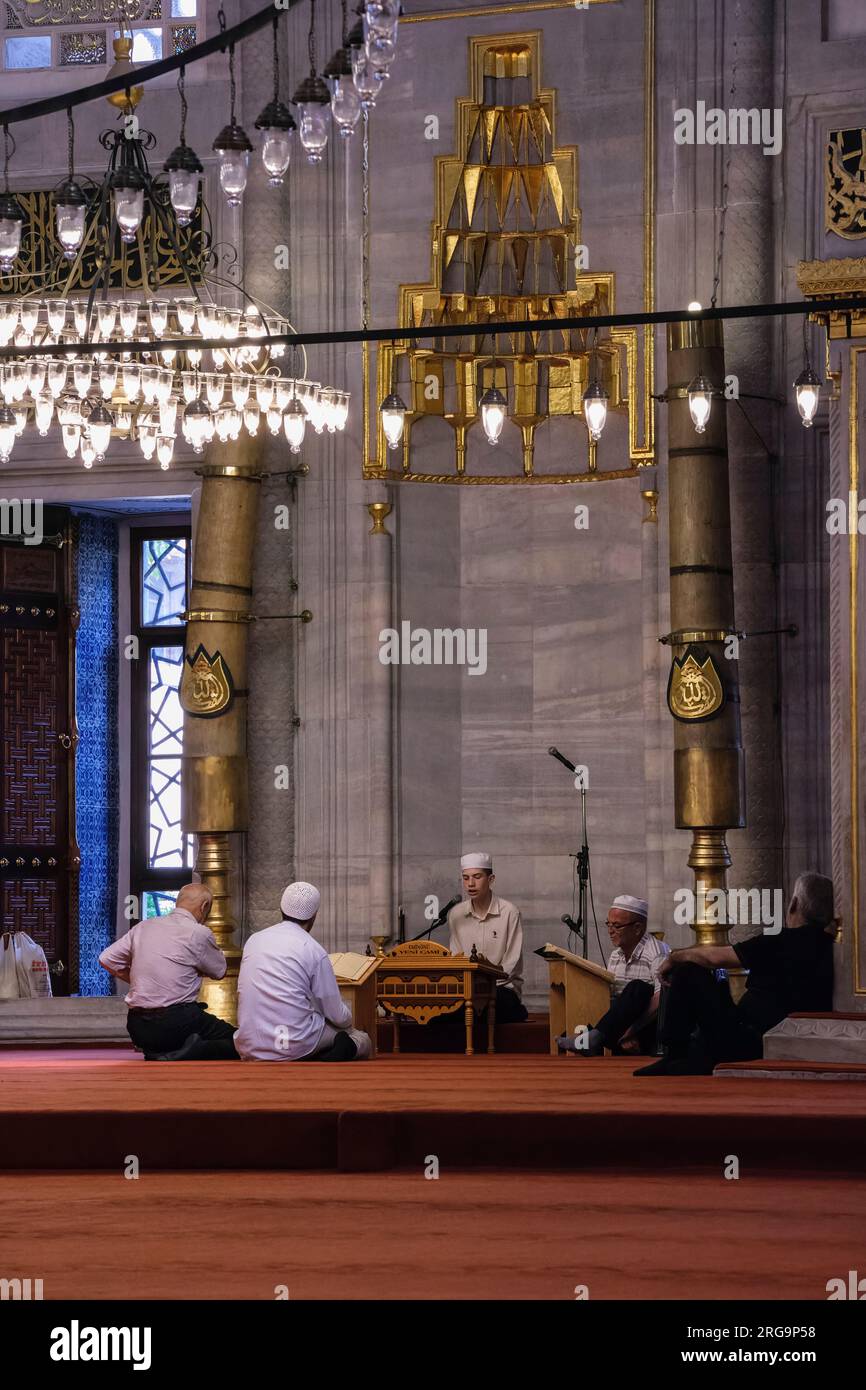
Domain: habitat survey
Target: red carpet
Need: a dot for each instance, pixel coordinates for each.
(688, 1235)
(88, 1111)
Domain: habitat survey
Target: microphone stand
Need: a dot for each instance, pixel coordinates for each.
(582, 873)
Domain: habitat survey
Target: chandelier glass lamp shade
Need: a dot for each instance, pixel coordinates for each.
(345, 100)
(70, 207)
(700, 394)
(127, 188)
(184, 168)
(807, 390)
(312, 99)
(295, 424)
(11, 227)
(494, 408)
(276, 123)
(595, 401)
(233, 147)
(393, 411)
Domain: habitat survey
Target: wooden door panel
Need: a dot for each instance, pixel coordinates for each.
(38, 855)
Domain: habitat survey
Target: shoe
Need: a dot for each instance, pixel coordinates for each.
(675, 1066)
(568, 1045)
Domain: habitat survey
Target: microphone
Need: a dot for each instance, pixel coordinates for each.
(448, 906)
(570, 923)
(438, 922)
(555, 753)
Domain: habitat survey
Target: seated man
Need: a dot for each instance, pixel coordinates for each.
(163, 960)
(289, 1004)
(789, 972)
(492, 926)
(630, 1023)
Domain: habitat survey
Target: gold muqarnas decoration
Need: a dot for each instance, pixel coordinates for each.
(506, 247)
(695, 689)
(206, 688)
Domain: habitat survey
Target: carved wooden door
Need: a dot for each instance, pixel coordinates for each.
(39, 859)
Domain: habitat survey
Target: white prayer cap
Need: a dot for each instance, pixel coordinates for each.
(300, 901)
(639, 906)
(478, 860)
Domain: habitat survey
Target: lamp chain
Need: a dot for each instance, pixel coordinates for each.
(9, 147)
(70, 142)
(276, 62)
(311, 38)
(232, 87)
(181, 87)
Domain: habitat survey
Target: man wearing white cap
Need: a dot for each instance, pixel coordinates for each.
(492, 926)
(289, 1004)
(630, 1023)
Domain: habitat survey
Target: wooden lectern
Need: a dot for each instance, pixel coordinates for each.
(579, 991)
(356, 977)
(422, 980)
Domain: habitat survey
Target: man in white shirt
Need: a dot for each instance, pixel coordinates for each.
(629, 1025)
(289, 1003)
(163, 960)
(492, 926)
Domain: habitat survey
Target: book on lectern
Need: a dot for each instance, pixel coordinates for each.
(351, 966)
(550, 952)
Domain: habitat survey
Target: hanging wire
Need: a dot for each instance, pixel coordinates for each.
(344, 30)
(70, 143)
(311, 38)
(9, 150)
(182, 95)
(725, 181)
(232, 84)
(365, 223)
(276, 61)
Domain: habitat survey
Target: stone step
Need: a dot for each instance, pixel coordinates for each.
(63, 1022)
(833, 1037)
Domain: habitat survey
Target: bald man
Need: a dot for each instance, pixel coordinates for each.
(163, 960)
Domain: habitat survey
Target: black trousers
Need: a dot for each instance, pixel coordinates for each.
(625, 1009)
(164, 1030)
(702, 1020)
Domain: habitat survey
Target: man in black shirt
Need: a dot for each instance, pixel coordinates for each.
(789, 972)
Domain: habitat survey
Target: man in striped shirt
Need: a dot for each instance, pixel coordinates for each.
(629, 1026)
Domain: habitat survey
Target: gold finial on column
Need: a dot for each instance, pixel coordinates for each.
(651, 497)
(379, 511)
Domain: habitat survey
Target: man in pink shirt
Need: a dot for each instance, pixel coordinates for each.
(163, 960)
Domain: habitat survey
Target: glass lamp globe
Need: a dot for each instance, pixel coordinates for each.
(8, 430)
(183, 167)
(233, 147)
(381, 16)
(99, 425)
(312, 99)
(595, 400)
(700, 402)
(276, 124)
(808, 393)
(493, 411)
(70, 206)
(294, 425)
(198, 426)
(11, 226)
(364, 75)
(127, 186)
(393, 412)
(345, 101)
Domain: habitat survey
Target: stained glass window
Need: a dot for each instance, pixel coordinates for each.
(161, 852)
(158, 904)
(182, 9)
(163, 582)
(32, 52)
(82, 48)
(183, 37)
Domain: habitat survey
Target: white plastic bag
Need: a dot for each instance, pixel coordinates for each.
(32, 968)
(8, 967)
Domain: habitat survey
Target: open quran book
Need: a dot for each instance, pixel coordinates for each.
(351, 965)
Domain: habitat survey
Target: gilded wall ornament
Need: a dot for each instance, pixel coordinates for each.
(845, 206)
(206, 687)
(695, 690)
